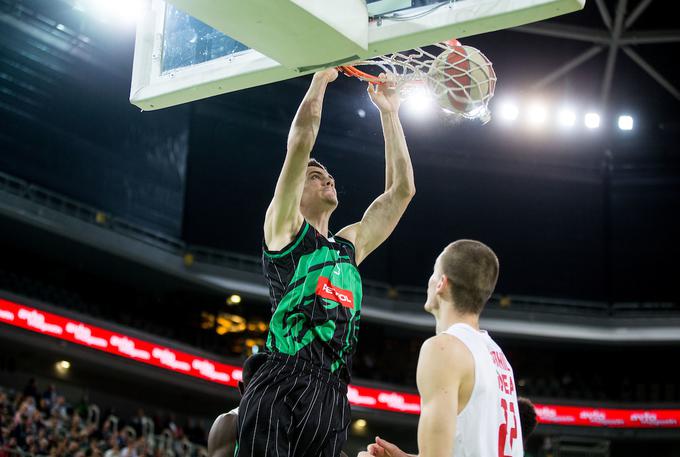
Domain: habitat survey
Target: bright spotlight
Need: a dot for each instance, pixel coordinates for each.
(592, 120)
(419, 102)
(111, 11)
(359, 426)
(626, 122)
(62, 367)
(234, 299)
(509, 111)
(566, 118)
(537, 114)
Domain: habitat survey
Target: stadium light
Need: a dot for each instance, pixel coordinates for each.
(625, 122)
(359, 426)
(109, 11)
(62, 367)
(419, 102)
(509, 111)
(566, 118)
(234, 299)
(537, 114)
(592, 120)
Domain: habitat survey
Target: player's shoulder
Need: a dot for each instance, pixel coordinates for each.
(444, 342)
(229, 416)
(446, 348)
(224, 423)
(444, 360)
(222, 434)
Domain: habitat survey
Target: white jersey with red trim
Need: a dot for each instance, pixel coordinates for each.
(489, 424)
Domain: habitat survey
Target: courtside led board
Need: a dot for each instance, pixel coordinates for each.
(192, 49)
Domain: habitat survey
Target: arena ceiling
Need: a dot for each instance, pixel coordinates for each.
(582, 215)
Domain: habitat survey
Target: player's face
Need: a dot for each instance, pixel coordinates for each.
(432, 286)
(319, 189)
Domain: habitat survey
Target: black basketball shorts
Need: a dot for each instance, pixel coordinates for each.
(292, 408)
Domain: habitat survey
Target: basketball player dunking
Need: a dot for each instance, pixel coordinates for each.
(297, 402)
(467, 388)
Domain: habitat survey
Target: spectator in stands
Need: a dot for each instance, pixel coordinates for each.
(62, 432)
(114, 447)
(50, 395)
(31, 390)
(12, 447)
(60, 409)
(137, 422)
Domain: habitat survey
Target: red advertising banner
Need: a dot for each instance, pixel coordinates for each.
(210, 370)
(117, 343)
(608, 417)
(383, 399)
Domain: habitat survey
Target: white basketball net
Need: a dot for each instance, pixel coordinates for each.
(460, 78)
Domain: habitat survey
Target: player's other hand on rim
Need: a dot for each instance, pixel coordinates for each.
(383, 448)
(328, 75)
(385, 96)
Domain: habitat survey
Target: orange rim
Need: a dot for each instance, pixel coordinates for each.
(354, 72)
(349, 70)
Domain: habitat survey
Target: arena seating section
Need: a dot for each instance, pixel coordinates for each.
(39, 422)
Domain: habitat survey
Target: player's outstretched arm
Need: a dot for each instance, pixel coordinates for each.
(283, 218)
(384, 213)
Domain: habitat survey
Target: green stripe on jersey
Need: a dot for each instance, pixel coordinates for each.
(293, 311)
(290, 249)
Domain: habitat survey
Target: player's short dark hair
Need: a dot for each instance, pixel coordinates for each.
(472, 269)
(527, 416)
(315, 163)
(251, 365)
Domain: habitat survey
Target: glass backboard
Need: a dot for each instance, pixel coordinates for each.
(179, 58)
(188, 41)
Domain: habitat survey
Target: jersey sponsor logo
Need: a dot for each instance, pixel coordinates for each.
(325, 289)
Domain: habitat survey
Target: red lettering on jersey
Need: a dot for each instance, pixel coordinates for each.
(506, 436)
(500, 361)
(326, 290)
(505, 383)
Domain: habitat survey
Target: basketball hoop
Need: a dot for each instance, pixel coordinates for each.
(460, 78)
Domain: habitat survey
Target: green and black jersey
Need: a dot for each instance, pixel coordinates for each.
(315, 291)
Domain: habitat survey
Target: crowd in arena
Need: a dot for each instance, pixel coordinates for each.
(47, 424)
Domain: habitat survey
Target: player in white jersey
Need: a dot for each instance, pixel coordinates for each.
(467, 388)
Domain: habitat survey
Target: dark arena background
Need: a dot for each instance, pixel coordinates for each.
(131, 288)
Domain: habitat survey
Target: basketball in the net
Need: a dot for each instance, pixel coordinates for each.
(462, 79)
